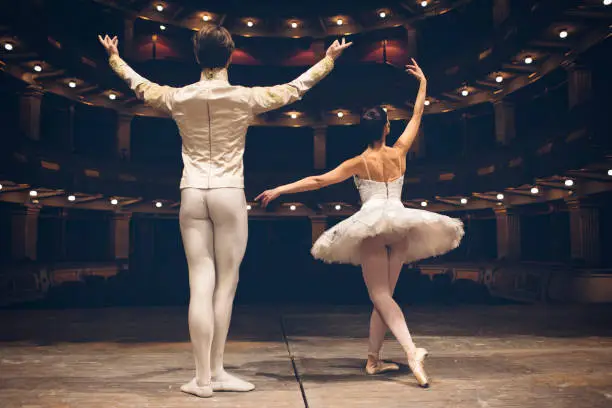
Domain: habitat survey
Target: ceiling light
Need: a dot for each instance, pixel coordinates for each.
(292, 208)
(340, 114)
(499, 79)
(535, 190)
(250, 23)
(159, 204)
(162, 27)
(0, 186)
(424, 3)
(114, 201)
(71, 197)
(338, 207)
(465, 92)
(72, 84)
(294, 116)
(607, 2)
(563, 34)
(294, 25)
(427, 102)
(610, 171)
(382, 14)
(464, 201)
(38, 68)
(500, 196)
(112, 96)
(249, 208)
(569, 182)
(206, 17)
(385, 109)
(528, 60)
(33, 193)
(339, 21)
(423, 203)
(159, 7)
(8, 46)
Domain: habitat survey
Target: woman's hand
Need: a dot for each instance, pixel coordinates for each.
(109, 44)
(267, 196)
(337, 48)
(416, 71)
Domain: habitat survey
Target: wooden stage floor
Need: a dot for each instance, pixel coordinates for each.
(481, 356)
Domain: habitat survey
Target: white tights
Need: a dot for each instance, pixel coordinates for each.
(381, 264)
(214, 227)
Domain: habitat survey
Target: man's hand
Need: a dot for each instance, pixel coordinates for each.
(336, 49)
(110, 44)
(416, 71)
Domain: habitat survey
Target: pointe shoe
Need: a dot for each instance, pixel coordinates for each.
(417, 366)
(230, 383)
(202, 391)
(376, 366)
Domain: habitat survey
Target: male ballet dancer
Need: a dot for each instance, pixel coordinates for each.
(213, 117)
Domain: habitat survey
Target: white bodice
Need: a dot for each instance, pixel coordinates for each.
(370, 190)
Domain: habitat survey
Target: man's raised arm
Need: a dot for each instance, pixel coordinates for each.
(154, 95)
(264, 99)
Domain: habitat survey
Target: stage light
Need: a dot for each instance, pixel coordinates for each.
(339, 22)
(8, 46)
(607, 2)
(292, 208)
(33, 193)
(465, 92)
(528, 60)
(294, 116)
(249, 208)
(206, 17)
(250, 23)
(535, 190)
(499, 79)
(464, 201)
(71, 197)
(340, 114)
(500, 196)
(338, 207)
(569, 182)
(294, 25)
(162, 27)
(72, 84)
(427, 102)
(112, 96)
(563, 34)
(114, 201)
(159, 204)
(38, 68)
(382, 14)
(424, 3)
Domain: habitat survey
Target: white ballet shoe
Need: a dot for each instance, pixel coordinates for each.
(376, 366)
(230, 383)
(202, 391)
(416, 364)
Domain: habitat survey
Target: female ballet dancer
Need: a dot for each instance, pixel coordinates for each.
(383, 235)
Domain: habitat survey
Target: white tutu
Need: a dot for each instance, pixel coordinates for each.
(427, 234)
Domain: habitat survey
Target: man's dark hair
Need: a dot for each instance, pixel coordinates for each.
(213, 45)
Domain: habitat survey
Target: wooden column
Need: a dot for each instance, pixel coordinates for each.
(320, 147)
(508, 234)
(584, 230)
(124, 136)
(120, 236)
(505, 125)
(579, 84)
(24, 228)
(29, 111)
(319, 225)
(128, 38)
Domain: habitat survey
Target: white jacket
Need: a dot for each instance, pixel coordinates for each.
(213, 117)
